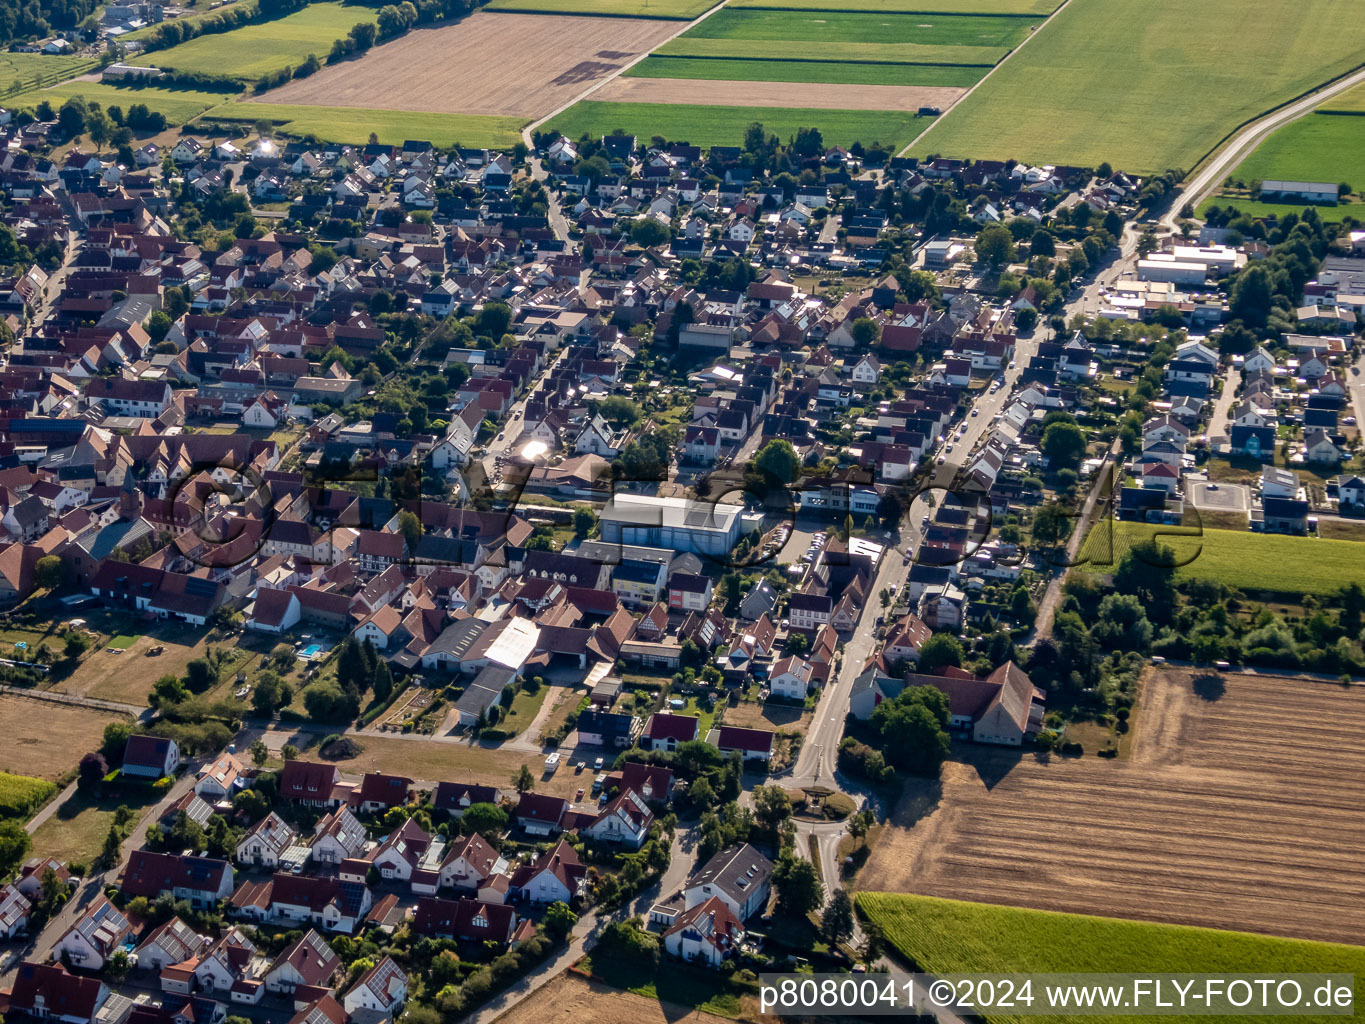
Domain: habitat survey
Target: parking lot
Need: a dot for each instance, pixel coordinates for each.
(1219, 497)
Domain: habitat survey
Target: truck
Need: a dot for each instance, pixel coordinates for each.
(552, 763)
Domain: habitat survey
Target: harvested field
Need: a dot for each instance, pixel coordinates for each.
(46, 740)
(1239, 808)
(572, 999)
(752, 715)
(446, 70)
(707, 93)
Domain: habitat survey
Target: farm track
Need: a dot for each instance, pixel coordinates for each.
(447, 70)
(1240, 812)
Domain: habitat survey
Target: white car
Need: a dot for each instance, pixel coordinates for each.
(975, 411)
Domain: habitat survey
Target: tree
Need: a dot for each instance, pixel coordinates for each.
(619, 411)
(115, 738)
(938, 652)
(1251, 298)
(890, 509)
(289, 752)
(488, 820)
(798, 886)
(560, 919)
(836, 925)
(76, 645)
(15, 844)
(265, 698)
(260, 753)
(772, 806)
(382, 683)
(914, 729)
(649, 231)
(584, 522)
(93, 769)
(1063, 444)
(49, 572)
(411, 529)
(493, 320)
(866, 332)
(523, 780)
(778, 460)
(860, 824)
(1050, 525)
(994, 245)
(199, 676)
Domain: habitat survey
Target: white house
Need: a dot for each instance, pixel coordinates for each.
(625, 821)
(94, 938)
(707, 933)
(266, 842)
(382, 989)
(791, 678)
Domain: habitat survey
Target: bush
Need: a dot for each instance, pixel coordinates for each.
(839, 806)
(1072, 749)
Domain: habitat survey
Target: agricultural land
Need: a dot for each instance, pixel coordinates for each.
(178, 105)
(680, 10)
(1238, 809)
(949, 936)
(24, 72)
(392, 127)
(1148, 86)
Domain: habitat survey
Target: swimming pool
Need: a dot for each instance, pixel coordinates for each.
(312, 650)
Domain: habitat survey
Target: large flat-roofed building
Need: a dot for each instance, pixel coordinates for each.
(1312, 191)
(678, 523)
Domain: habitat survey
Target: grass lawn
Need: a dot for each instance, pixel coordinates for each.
(77, 829)
(694, 708)
(670, 982)
(354, 124)
(862, 27)
(684, 10)
(178, 105)
(1151, 85)
(20, 72)
(525, 707)
(254, 51)
(1319, 147)
(948, 936)
(822, 71)
(1251, 561)
(1025, 7)
(123, 641)
(1327, 214)
(720, 126)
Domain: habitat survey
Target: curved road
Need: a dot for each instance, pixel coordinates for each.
(1203, 183)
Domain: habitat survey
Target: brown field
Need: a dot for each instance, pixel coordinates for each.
(539, 63)
(46, 739)
(1239, 808)
(752, 715)
(707, 93)
(572, 999)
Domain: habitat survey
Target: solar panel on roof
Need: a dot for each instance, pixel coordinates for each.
(200, 587)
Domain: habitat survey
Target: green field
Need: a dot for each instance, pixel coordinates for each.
(21, 795)
(724, 126)
(254, 51)
(983, 57)
(1251, 561)
(353, 124)
(681, 10)
(1352, 101)
(1328, 214)
(23, 72)
(951, 937)
(1043, 7)
(862, 27)
(1319, 147)
(826, 71)
(179, 105)
(1148, 86)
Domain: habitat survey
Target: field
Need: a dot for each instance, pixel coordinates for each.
(178, 105)
(983, 57)
(722, 126)
(1319, 147)
(1251, 561)
(20, 72)
(1149, 86)
(1328, 214)
(707, 93)
(21, 795)
(1043, 7)
(555, 59)
(948, 936)
(77, 828)
(353, 124)
(254, 51)
(572, 999)
(126, 673)
(862, 27)
(1238, 808)
(850, 72)
(1352, 101)
(46, 740)
(677, 10)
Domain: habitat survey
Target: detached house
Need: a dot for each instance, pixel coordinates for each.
(708, 933)
(150, 757)
(556, 876)
(739, 876)
(625, 820)
(382, 990)
(201, 880)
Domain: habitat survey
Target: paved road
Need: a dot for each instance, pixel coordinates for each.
(1358, 392)
(1203, 184)
(1218, 417)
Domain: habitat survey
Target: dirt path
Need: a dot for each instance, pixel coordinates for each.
(707, 93)
(496, 64)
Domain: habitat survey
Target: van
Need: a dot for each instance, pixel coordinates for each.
(1222, 666)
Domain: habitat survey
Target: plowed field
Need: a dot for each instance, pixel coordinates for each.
(1242, 807)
